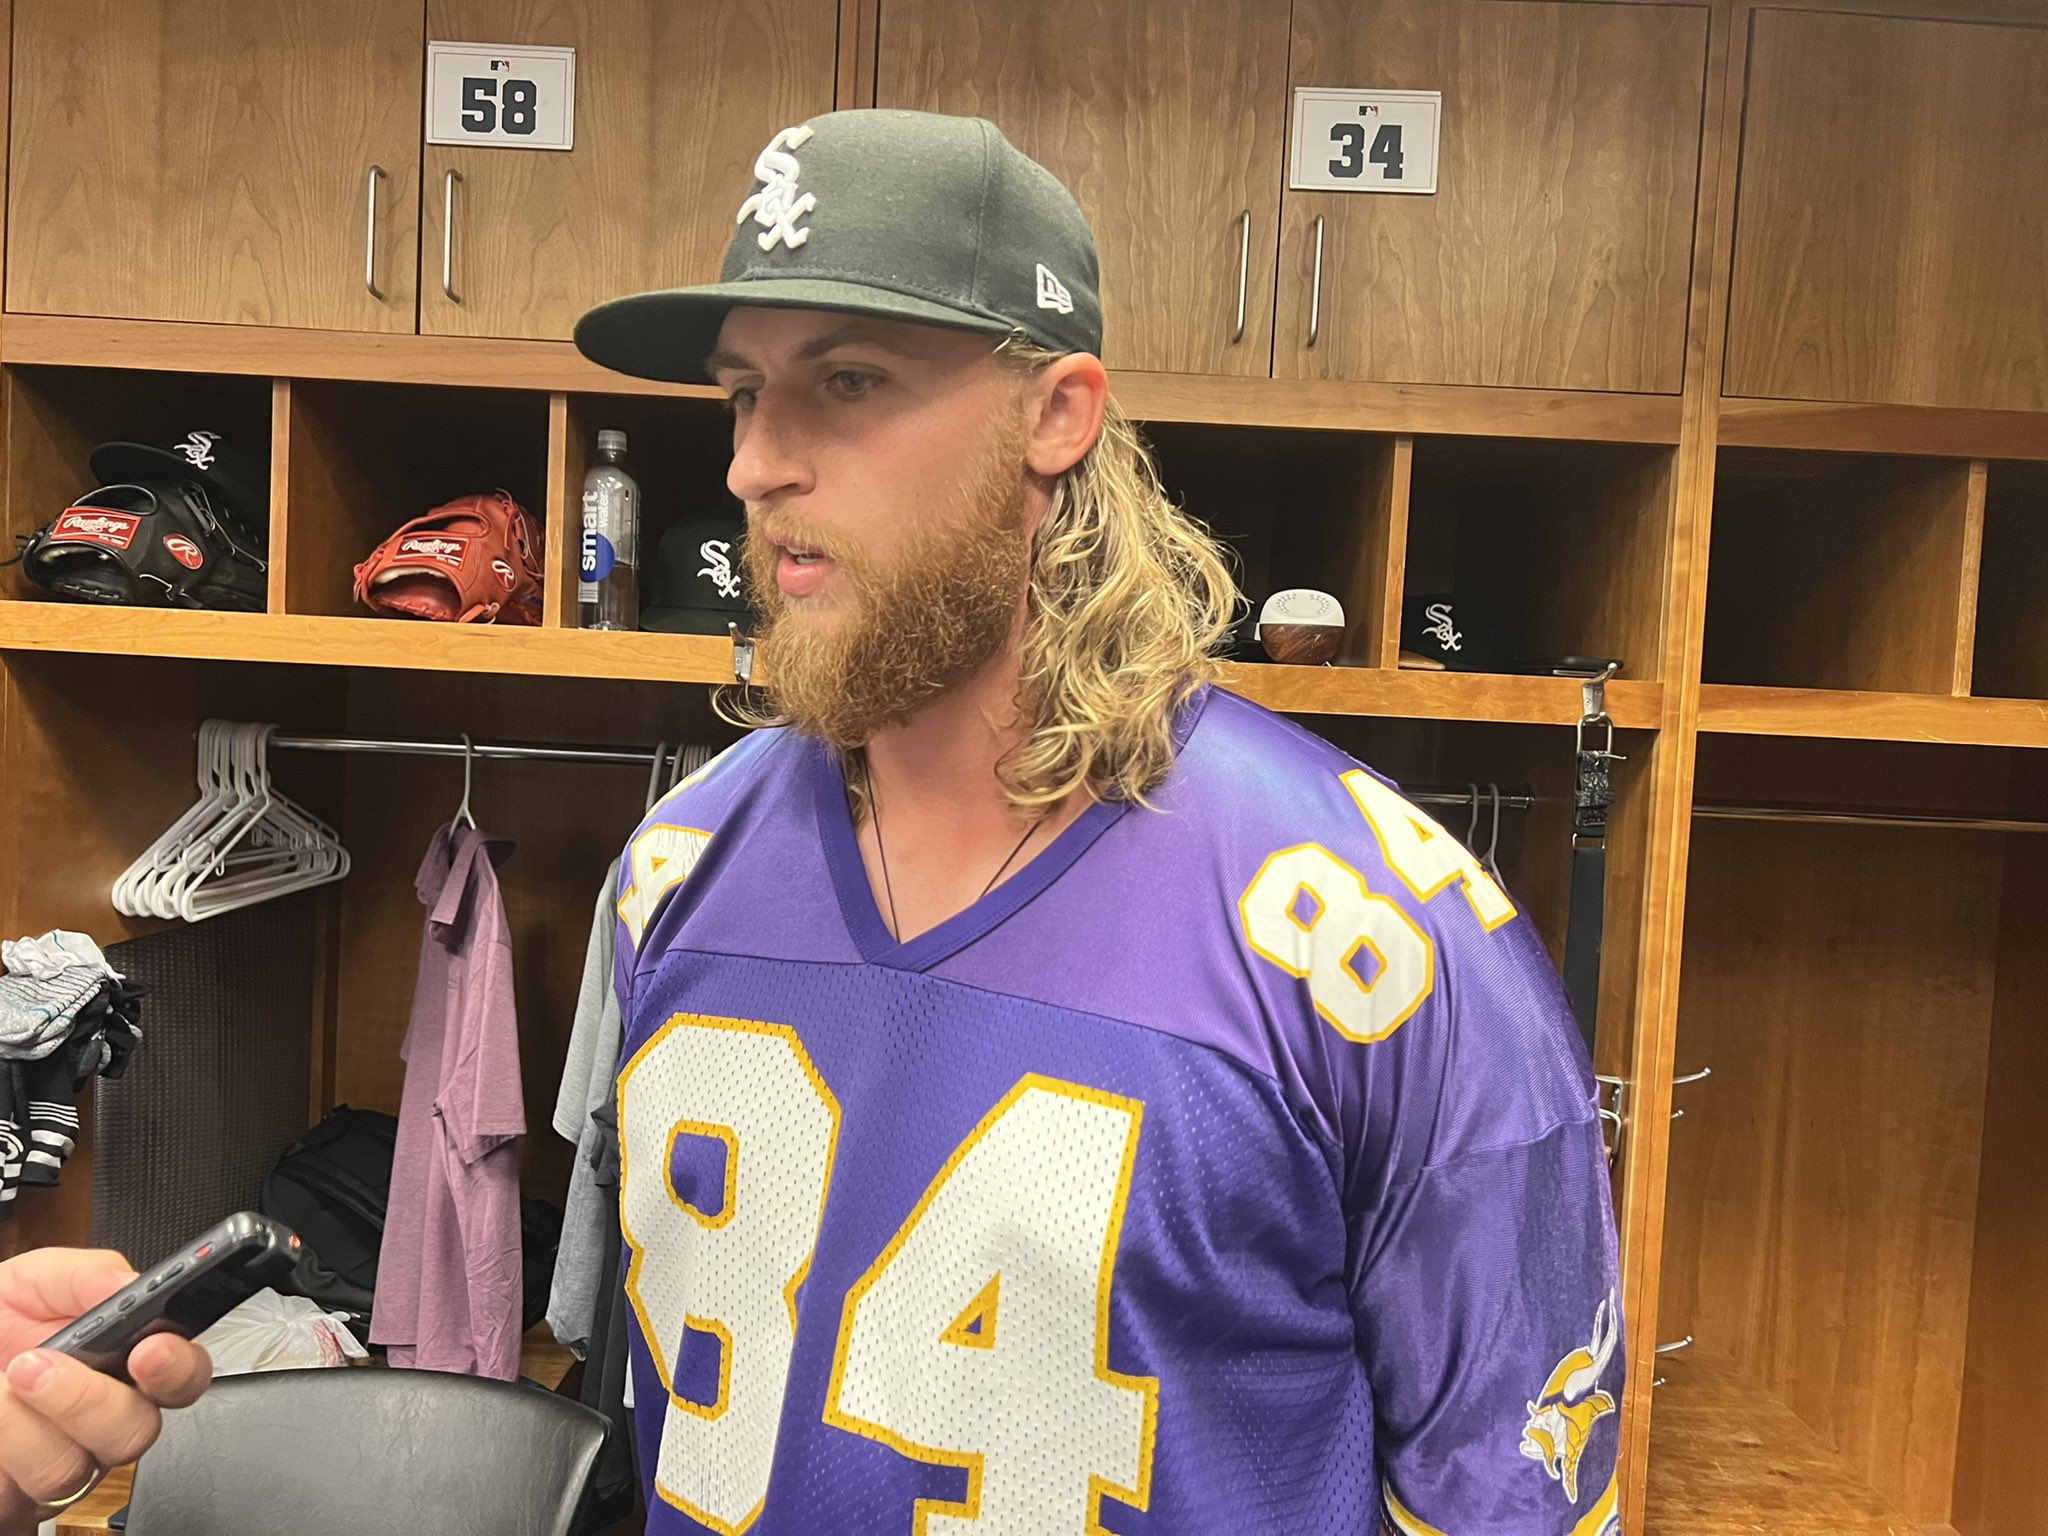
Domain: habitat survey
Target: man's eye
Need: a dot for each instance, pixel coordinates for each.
(853, 383)
(739, 402)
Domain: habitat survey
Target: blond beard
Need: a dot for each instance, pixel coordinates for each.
(940, 612)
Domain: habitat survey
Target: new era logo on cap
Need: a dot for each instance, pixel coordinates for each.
(1052, 293)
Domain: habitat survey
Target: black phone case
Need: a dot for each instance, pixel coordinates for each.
(186, 1293)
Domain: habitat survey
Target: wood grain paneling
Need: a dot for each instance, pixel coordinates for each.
(1164, 120)
(1940, 432)
(1873, 716)
(1728, 1459)
(1557, 249)
(1839, 574)
(1824, 1185)
(2001, 1459)
(1321, 404)
(673, 103)
(208, 160)
(1892, 238)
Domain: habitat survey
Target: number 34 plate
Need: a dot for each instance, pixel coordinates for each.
(1365, 141)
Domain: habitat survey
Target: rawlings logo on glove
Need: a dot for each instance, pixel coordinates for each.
(472, 561)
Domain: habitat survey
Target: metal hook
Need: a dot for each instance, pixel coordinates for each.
(1614, 1114)
(742, 654)
(1691, 1077)
(1472, 826)
(462, 812)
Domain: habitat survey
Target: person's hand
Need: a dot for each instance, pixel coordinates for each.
(63, 1424)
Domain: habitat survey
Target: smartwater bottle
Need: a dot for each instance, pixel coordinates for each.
(608, 578)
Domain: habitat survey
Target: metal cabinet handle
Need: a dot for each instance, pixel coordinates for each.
(1244, 260)
(370, 236)
(1315, 293)
(448, 234)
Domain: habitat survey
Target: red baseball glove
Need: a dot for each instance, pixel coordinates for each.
(473, 561)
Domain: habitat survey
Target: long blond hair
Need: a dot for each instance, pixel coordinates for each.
(1129, 603)
(1128, 606)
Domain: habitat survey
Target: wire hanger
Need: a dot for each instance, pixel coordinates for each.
(1489, 861)
(654, 774)
(462, 812)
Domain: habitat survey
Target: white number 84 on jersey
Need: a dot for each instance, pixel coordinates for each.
(989, 1304)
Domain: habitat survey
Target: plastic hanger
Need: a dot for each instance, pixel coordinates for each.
(239, 843)
(275, 847)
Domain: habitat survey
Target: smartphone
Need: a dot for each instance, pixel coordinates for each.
(186, 1293)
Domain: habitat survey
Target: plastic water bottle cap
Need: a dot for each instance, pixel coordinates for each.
(611, 442)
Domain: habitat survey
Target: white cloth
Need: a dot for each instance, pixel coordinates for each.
(52, 954)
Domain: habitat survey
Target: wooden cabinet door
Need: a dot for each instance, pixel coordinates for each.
(674, 101)
(1891, 227)
(1164, 119)
(211, 160)
(1557, 249)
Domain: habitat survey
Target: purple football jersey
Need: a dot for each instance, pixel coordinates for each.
(1233, 1167)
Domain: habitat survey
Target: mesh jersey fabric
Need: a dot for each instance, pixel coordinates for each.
(1233, 1166)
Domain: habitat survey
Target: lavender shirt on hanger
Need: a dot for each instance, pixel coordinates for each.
(448, 1277)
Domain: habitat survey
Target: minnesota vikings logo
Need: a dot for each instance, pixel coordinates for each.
(1561, 1420)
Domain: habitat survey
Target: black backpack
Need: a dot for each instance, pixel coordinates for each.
(333, 1187)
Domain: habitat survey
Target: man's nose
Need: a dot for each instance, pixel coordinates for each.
(768, 460)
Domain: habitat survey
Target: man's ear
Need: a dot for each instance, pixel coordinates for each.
(1067, 399)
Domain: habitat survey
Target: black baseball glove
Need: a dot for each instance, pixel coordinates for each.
(155, 544)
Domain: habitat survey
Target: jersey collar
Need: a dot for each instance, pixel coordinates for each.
(857, 898)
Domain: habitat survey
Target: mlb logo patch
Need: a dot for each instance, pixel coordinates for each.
(89, 525)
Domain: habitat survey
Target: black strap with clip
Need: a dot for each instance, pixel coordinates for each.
(1592, 798)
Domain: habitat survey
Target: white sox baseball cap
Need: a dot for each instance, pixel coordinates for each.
(902, 215)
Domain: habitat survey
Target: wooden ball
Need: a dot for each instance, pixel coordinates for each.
(1301, 645)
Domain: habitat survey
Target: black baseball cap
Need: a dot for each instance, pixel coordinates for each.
(1450, 630)
(902, 215)
(697, 584)
(235, 478)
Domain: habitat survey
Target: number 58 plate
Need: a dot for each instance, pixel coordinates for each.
(516, 96)
(1365, 141)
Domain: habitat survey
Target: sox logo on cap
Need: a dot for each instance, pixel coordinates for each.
(777, 207)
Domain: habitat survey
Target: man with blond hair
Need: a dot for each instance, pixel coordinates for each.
(1058, 1095)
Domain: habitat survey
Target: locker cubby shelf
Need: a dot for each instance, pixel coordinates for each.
(677, 451)
(361, 459)
(1550, 548)
(55, 417)
(1296, 509)
(327, 640)
(1869, 1013)
(1841, 571)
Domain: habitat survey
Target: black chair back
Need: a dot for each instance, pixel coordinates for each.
(334, 1452)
